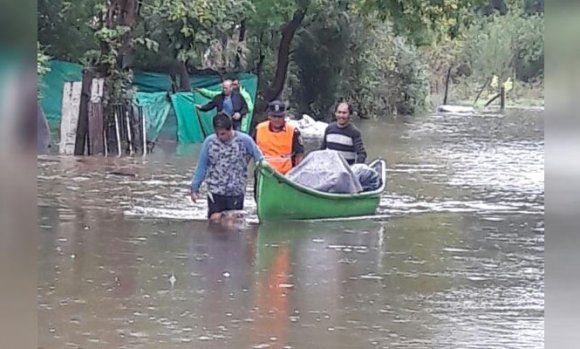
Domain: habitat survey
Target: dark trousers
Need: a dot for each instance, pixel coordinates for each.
(222, 203)
(237, 124)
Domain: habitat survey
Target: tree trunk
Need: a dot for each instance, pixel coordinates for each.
(123, 13)
(119, 13)
(502, 99)
(261, 57)
(491, 100)
(83, 122)
(481, 91)
(240, 62)
(447, 86)
(259, 104)
(288, 31)
(184, 81)
(242, 31)
(129, 17)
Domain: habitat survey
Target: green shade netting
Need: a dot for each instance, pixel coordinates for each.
(152, 89)
(189, 128)
(51, 87)
(156, 107)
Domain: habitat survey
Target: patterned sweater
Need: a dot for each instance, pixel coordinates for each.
(224, 165)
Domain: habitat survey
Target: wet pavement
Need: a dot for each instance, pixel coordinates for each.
(453, 259)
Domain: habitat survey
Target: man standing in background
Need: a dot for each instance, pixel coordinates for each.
(241, 90)
(237, 87)
(229, 102)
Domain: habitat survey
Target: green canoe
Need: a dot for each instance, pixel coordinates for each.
(278, 198)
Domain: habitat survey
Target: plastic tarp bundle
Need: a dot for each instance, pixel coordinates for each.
(455, 110)
(368, 178)
(309, 128)
(155, 84)
(326, 171)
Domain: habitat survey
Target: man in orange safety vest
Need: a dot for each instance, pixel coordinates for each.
(280, 142)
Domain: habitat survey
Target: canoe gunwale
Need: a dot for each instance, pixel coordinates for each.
(266, 170)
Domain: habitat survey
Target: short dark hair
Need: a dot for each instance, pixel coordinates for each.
(232, 77)
(350, 111)
(222, 122)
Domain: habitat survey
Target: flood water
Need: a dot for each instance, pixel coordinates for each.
(453, 259)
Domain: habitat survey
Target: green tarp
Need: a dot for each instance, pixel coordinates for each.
(156, 108)
(152, 94)
(51, 88)
(189, 128)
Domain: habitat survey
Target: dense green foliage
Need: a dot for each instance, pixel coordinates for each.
(385, 56)
(41, 61)
(505, 46)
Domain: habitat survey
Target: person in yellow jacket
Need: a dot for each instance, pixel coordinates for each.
(280, 142)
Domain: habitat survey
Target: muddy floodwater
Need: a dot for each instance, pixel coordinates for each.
(453, 259)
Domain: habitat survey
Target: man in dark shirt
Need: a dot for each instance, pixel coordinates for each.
(229, 102)
(344, 137)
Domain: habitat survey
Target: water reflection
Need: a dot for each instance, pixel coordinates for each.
(107, 281)
(455, 258)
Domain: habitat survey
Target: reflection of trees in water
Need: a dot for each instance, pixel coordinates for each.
(292, 279)
(352, 274)
(301, 278)
(271, 299)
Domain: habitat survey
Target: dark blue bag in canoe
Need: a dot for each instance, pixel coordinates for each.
(368, 178)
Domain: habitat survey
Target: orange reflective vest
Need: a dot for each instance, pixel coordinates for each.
(276, 146)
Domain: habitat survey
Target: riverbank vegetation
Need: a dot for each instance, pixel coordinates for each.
(386, 57)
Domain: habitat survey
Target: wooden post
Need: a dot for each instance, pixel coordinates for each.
(123, 129)
(447, 86)
(128, 125)
(83, 118)
(96, 120)
(481, 91)
(491, 100)
(112, 129)
(96, 141)
(502, 99)
(118, 129)
(106, 140)
(136, 128)
(71, 99)
(144, 125)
